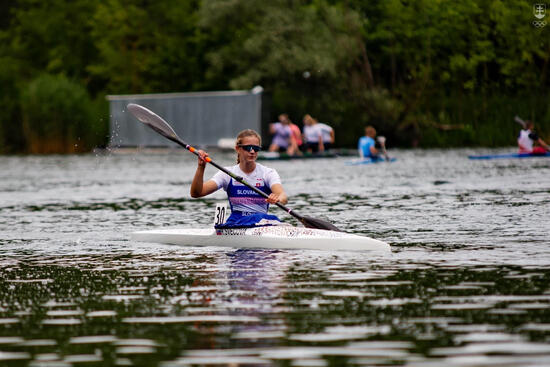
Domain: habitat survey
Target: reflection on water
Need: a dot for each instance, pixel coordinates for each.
(467, 283)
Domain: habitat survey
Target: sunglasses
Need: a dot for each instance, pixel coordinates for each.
(249, 147)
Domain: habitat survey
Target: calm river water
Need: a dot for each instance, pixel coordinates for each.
(467, 282)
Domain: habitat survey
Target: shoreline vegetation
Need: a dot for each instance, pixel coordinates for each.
(425, 74)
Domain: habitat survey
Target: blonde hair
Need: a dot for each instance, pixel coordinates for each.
(244, 134)
(312, 120)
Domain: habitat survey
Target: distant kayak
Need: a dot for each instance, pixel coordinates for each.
(362, 161)
(509, 156)
(273, 156)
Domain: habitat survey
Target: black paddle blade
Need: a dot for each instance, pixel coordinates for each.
(316, 223)
(154, 121)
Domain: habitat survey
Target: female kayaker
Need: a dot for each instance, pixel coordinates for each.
(248, 208)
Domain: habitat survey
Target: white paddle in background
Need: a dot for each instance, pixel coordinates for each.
(519, 121)
(382, 141)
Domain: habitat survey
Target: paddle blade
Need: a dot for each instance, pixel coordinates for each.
(154, 121)
(316, 223)
(519, 121)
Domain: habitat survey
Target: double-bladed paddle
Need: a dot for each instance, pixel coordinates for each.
(158, 124)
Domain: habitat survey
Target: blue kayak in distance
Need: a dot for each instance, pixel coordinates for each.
(369, 160)
(509, 156)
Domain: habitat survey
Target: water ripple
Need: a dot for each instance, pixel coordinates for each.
(467, 283)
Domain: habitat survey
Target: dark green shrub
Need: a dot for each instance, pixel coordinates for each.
(11, 133)
(57, 115)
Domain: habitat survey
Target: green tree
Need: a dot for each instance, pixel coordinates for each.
(11, 134)
(302, 52)
(437, 72)
(147, 46)
(52, 36)
(445, 61)
(57, 115)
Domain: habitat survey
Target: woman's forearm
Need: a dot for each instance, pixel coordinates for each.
(197, 184)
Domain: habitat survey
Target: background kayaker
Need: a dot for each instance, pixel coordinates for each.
(248, 209)
(328, 134)
(530, 142)
(313, 135)
(283, 139)
(367, 145)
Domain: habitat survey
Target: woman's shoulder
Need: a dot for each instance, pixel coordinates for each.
(234, 169)
(264, 169)
(267, 173)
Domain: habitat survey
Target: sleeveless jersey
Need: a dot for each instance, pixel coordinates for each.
(242, 199)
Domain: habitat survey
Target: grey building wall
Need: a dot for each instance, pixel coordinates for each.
(200, 119)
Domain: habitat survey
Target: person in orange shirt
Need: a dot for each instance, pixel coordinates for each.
(297, 136)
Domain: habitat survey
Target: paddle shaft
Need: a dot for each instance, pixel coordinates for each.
(384, 151)
(236, 177)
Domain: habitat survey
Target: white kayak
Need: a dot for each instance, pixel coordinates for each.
(276, 237)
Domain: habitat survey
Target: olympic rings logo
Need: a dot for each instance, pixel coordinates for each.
(539, 23)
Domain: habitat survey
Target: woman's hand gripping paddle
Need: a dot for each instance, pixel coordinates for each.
(158, 124)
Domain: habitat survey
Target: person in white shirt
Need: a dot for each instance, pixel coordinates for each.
(313, 135)
(328, 135)
(530, 142)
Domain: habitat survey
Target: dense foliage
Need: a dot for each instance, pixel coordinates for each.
(56, 116)
(428, 72)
